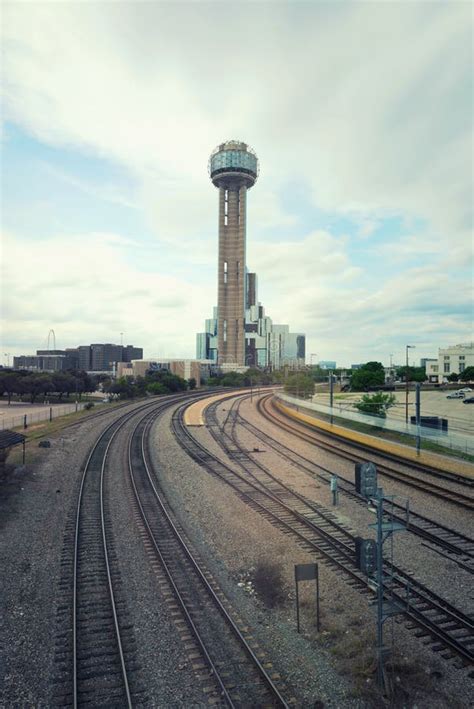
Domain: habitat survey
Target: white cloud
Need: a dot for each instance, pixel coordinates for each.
(366, 105)
(91, 292)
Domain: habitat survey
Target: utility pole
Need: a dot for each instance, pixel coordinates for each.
(407, 378)
(418, 417)
(331, 392)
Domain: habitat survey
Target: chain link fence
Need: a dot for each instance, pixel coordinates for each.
(48, 413)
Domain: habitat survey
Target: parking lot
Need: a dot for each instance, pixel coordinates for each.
(433, 403)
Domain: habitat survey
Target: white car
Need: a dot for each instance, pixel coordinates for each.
(466, 390)
(456, 395)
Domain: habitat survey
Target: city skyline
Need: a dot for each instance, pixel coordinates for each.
(361, 229)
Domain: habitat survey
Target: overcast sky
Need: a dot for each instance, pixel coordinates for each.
(359, 227)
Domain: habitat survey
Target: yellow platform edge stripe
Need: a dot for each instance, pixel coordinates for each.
(194, 414)
(440, 462)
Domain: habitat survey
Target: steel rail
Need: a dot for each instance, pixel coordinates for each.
(344, 535)
(197, 569)
(109, 430)
(117, 424)
(328, 519)
(255, 497)
(431, 488)
(457, 543)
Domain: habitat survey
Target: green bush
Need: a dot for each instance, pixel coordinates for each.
(268, 583)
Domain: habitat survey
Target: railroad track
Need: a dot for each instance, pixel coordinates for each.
(455, 497)
(95, 664)
(459, 546)
(233, 667)
(102, 646)
(431, 617)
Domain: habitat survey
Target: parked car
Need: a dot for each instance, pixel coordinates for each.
(469, 400)
(466, 390)
(456, 395)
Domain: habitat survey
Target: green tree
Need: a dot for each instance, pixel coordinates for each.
(369, 375)
(157, 388)
(232, 379)
(467, 375)
(453, 377)
(300, 385)
(63, 383)
(36, 384)
(376, 404)
(192, 383)
(415, 374)
(9, 384)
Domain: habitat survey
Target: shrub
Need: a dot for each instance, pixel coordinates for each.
(89, 405)
(268, 583)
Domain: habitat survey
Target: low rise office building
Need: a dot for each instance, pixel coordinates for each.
(451, 360)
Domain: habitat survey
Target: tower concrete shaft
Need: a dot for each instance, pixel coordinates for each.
(233, 168)
(231, 280)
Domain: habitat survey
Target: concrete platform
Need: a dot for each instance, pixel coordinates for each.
(433, 460)
(194, 414)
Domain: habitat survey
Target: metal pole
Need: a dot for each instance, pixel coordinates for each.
(406, 386)
(50, 413)
(380, 681)
(418, 417)
(331, 392)
(297, 605)
(317, 599)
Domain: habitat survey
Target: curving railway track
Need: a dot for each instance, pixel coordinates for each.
(431, 617)
(97, 662)
(459, 546)
(96, 657)
(232, 665)
(100, 668)
(456, 497)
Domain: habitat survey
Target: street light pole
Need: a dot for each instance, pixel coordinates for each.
(406, 381)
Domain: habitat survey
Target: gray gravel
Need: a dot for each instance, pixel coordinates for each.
(232, 539)
(36, 502)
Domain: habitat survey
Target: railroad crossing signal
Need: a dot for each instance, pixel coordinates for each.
(366, 555)
(366, 479)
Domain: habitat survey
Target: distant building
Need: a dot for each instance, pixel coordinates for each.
(89, 358)
(185, 368)
(451, 360)
(356, 366)
(327, 364)
(424, 361)
(240, 335)
(267, 344)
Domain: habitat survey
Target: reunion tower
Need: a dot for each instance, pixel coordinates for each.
(233, 169)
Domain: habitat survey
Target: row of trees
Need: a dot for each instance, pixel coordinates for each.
(35, 384)
(62, 384)
(156, 382)
(252, 377)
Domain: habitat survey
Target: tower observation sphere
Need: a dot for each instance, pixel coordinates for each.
(233, 169)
